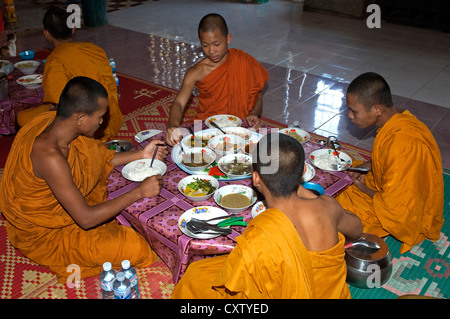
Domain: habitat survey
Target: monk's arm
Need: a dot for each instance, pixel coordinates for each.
(348, 223)
(55, 170)
(146, 152)
(257, 108)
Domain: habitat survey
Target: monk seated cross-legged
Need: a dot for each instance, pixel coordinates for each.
(229, 81)
(294, 249)
(53, 189)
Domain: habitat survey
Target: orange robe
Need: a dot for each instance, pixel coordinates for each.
(407, 176)
(233, 87)
(69, 60)
(269, 261)
(40, 227)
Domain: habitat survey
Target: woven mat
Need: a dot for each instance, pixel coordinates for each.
(422, 271)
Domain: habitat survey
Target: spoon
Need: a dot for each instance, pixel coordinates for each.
(154, 155)
(197, 226)
(217, 126)
(338, 167)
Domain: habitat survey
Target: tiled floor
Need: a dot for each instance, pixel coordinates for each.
(310, 57)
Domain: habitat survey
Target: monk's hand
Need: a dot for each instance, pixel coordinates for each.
(174, 135)
(148, 150)
(254, 121)
(151, 186)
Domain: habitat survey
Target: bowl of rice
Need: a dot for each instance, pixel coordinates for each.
(27, 67)
(325, 158)
(139, 170)
(223, 120)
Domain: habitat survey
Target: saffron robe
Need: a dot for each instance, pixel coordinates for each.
(407, 176)
(69, 60)
(40, 227)
(233, 87)
(269, 261)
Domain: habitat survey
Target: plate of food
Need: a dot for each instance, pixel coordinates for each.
(235, 198)
(326, 159)
(139, 170)
(200, 138)
(32, 81)
(223, 120)
(202, 213)
(196, 159)
(27, 67)
(297, 133)
(198, 187)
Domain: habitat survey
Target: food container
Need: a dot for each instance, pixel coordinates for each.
(369, 262)
(27, 55)
(235, 189)
(3, 86)
(192, 178)
(226, 144)
(119, 145)
(193, 157)
(27, 67)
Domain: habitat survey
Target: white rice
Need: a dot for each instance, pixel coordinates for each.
(141, 171)
(324, 161)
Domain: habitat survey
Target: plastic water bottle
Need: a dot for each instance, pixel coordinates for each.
(122, 286)
(113, 65)
(131, 274)
(107, 277)
(117, 84)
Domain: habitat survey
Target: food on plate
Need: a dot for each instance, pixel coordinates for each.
(224, 121)
(199, 187)
(324, 161)
(294, 134)
(235, 200)
(24, 65)
(196, 160)
(237, 167)
(197, 141)
(226, 146)
(141, 171)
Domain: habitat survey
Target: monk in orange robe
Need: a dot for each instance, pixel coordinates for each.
(68, 60)
(294, 249)
(403, 194)
(53, 189)
(229, 81)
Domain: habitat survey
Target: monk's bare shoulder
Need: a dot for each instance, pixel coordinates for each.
(200, 70)
(45, 155)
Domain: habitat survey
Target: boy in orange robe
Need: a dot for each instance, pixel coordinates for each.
(294, 249)
(403, 194)
(229, 81)
(53, 189)
(68, 60)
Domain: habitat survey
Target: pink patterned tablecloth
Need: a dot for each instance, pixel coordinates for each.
(19, 98)
(157, 218)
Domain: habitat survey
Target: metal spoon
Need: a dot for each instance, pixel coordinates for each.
(197, 227)
(338, 167)
(217, 126)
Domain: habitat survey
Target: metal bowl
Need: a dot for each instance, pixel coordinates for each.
(369, 262)
(119, 145)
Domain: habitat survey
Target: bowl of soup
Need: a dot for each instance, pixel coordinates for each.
(199, 139)
(235, 198)
(196, 159)
(236, 165)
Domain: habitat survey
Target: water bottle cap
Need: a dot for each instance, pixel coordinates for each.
(126, 264)
(107, 266)
(120, 276)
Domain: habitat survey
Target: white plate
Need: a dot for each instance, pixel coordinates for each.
(223, 120)
(203, 213)
(145, 135)
(203, 134)
(309, 173)
(299, 134)
(32, 81)
(146, 161)
(316, 159)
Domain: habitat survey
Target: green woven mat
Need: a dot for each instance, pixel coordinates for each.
(424, 270)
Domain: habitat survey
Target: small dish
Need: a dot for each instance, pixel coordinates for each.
(316, 188)
(32, 81)
(323, 159)
(236, 165)
(297, 133)
(196, 159)
(182, 185)
(226, 144)
(239, 190)
(27, 67)
(27, 55)
(223, 120)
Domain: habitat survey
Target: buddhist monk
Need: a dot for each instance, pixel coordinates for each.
(229, 81)
(294, 249)
(68, 60)
(403, 193)
(53, 188)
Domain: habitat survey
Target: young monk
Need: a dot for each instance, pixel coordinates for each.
(403, 194)
(53, 189)
(229, 81)
(68, 60)
(294, 249)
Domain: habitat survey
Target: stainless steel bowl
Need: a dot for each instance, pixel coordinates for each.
(119, 145)
(369, 262)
